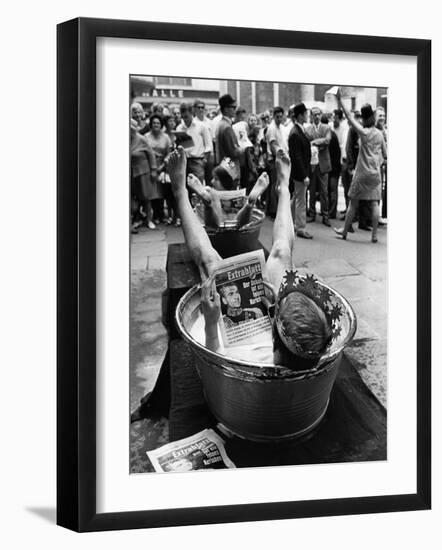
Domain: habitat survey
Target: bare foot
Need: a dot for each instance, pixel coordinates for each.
(197, 187)
(283, 169)
(258, 189)
(177, 170)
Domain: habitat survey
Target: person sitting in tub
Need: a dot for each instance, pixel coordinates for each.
(302, 329)
(224, 180)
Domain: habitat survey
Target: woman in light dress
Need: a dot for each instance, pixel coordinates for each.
(367, 180)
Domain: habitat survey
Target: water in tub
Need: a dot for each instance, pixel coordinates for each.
(261, 352)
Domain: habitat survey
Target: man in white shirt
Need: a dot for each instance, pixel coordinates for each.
(241, 128)
(199, 110)
(199, 153)
(340, 127)
(276, 140)
(276, 135)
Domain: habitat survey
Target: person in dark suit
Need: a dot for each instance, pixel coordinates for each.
(335, 172)
(300, 156)
(226, 144)
(319, 135)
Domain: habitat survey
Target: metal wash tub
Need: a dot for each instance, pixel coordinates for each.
(259, 401)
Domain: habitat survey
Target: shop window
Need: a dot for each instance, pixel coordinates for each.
(173, 81)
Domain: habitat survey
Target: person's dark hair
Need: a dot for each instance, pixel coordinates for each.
(368, 115)
(324, 118)
(225, 101)
(339, 113)
(277, 110)
(166, 119)
(156, 117)
(186, 106)
(224, 177)
(304, 322)
(253, 134)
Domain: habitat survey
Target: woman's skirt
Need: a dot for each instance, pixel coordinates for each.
(143, 188)
(365, 187)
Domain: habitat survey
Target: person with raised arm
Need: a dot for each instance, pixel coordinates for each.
(367, 182)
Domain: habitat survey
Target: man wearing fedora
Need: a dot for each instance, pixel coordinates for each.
(226, 143)
(300, 156)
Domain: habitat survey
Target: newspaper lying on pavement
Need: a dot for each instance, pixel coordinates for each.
(204, 450)
(239, 282)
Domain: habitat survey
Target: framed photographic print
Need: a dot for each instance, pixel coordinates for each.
(243, 330)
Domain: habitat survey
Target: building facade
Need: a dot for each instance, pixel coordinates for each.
(171, 91)
(255, 97)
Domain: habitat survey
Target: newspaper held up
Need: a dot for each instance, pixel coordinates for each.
(231, 204)
(239, 282)
(202, 451)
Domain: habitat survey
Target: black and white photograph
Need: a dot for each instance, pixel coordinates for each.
(258, 231)
(220, 275)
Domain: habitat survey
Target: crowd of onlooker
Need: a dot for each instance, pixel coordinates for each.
(323, 147)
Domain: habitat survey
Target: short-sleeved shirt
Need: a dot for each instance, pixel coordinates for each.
(278, 134)
(202, 142)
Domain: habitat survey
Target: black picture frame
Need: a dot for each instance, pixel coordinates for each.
(77, 287)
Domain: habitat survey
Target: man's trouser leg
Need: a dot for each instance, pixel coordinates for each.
(312, 189)
(332, 195)
(195, 166)
(346, 181)
(364, 214)
(323, 193)
(384, 192)
(208, 168)
(299, 205)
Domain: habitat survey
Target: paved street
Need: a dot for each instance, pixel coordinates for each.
(356, 268)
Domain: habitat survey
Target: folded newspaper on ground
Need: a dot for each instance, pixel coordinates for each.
(204, 450)
(239, 282)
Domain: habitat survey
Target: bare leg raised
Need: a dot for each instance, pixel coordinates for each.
(200, 247)
(213, 214)
(245, 214)
(280, 258)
